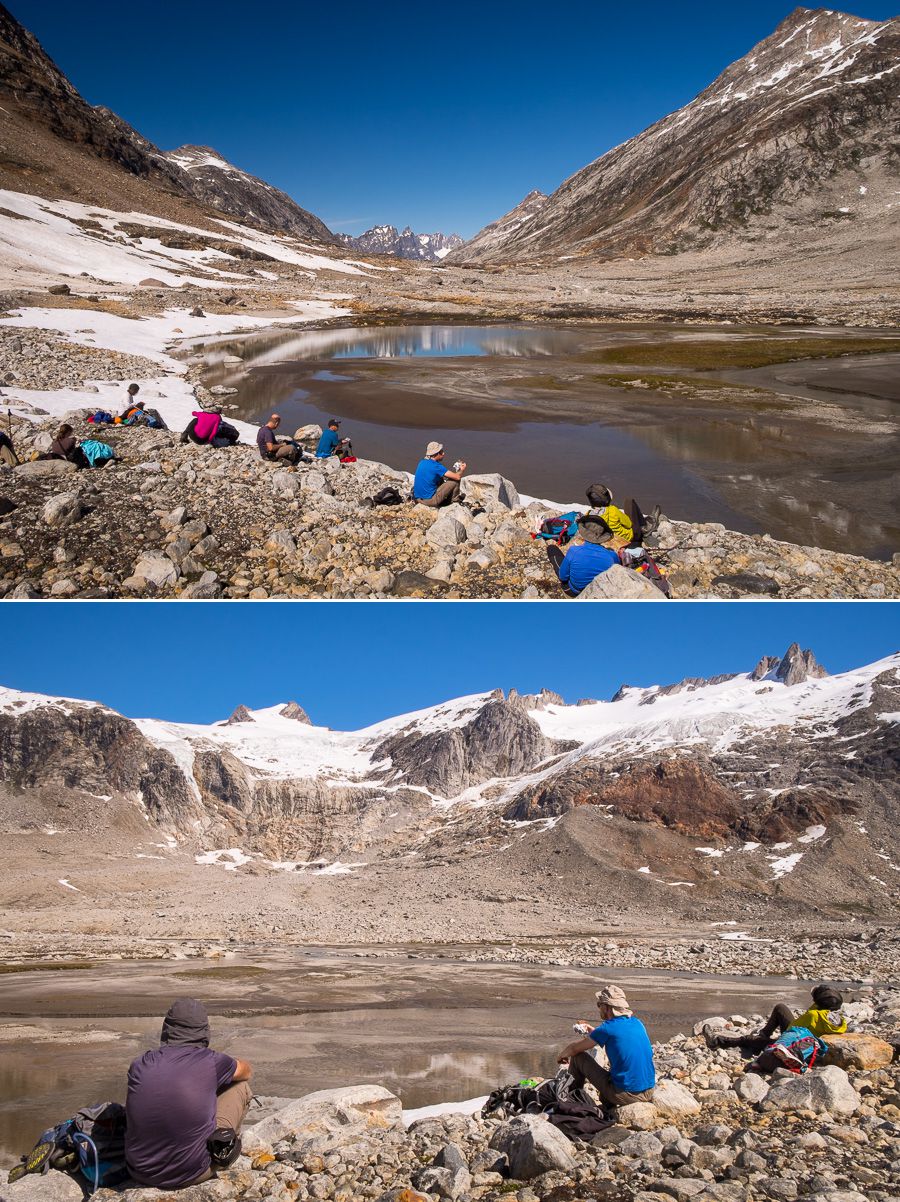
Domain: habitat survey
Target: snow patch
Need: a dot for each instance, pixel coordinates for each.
(229, 858)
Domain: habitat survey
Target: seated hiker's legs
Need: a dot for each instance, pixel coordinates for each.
(779, 1020)
(286, 451)
(446, 494)
(232, 1103)
(584, 1067)
(556, 555)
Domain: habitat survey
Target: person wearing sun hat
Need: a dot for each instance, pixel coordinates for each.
(435, 484)
(590, 553)
(631, 1075)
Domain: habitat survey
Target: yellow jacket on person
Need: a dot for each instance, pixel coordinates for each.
(822, 1022)
(618, 522)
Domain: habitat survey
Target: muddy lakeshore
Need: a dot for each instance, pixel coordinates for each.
(795, 449)
(428, 1029)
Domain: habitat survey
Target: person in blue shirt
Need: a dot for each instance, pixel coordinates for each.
(587, 556)
(331, 442)
(435, 484)
(631, 1075)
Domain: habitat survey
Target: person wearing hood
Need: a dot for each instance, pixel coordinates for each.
(823, 1018)
(631, 1075)
(207, 428)
(185, 1104)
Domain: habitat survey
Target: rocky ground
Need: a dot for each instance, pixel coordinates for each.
(172, 520)
(711, 1132)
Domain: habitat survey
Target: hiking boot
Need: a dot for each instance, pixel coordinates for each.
(652, 522)
(34, 1162)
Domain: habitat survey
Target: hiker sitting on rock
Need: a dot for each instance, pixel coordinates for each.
(331, 442)
(185, 1104)
(822, 1018)
(133, 407)
(435, 484)
(627, 531)
(208, 429)
(590, 553)
(271, 448)
(631, 1075)
(65, 446)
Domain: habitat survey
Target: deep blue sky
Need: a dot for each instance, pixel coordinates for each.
(353, 664)
(440, 116)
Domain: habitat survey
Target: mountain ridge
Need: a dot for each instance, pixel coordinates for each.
(811, 105)
(402, 244)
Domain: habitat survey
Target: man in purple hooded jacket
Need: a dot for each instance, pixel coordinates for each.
(178, 1095)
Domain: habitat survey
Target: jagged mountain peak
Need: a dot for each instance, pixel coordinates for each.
(403, 244)
(798, 666)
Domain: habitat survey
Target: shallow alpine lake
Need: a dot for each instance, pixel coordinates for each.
(709, 422)
(429, 1029)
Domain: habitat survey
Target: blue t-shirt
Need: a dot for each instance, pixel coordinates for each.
(628, 1047)
(429, 474)
(583, 562)
(171, 1112)
(327, 443)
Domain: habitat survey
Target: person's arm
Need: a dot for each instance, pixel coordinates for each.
(572, 1049)
(243, 1071)
(448, 475)
(565, 568)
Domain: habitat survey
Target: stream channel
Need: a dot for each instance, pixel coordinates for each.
(430, 1030)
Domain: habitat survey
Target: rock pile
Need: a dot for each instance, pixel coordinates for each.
(829, 1136)
(176, 520)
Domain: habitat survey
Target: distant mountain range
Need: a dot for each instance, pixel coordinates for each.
(798, 135)
(778, 781)
(385, 240)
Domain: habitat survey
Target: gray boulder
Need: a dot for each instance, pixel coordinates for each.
(284, 484)
(446, 532)
(63, 510)
(822, 1090)
(316, 482)
(751, 1087)
(153, 568)
(643, 1145)
(281, 540)
(620, 584)
(491, 487)
(53, 1187)
(673, 1099)
(45, 467)
(331, 1117)
(532, 1146)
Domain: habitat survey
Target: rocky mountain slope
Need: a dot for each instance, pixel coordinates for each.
(797, 134)
(54, 144)
(773, 784)
(403, 244)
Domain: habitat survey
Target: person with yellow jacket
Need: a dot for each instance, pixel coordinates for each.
(627, 530)
(823, 1018)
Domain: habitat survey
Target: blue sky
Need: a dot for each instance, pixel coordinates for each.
(352, 664)
(439, 116)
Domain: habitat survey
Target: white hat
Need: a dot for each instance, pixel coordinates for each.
(433, 448)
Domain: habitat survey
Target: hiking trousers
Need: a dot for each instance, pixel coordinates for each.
(232, 1103)
(584, 1067)
(778, 1021)
(446, 494)
(556, 555)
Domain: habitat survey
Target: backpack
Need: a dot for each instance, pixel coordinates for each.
(559, 529)
(639, 561)
(97, 453)
(796, 1050)
(387, 496)
(101, 417)
(92, 1142)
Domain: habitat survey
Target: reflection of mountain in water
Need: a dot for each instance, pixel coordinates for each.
(407, 342)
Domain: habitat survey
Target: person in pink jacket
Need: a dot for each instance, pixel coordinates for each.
(209, 428)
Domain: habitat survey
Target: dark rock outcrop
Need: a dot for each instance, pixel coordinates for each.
(240, 714)
(295, 712)
(798, 666)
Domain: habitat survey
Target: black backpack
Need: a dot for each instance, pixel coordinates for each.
(387, 496)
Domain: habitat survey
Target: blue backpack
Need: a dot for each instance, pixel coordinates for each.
(91, 1142)
(559, 529)
(97, 453)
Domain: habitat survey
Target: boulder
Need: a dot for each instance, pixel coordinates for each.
(33, 1187)
(309, 434)
(331, 1117)
(491, 487)
(857, 1051)
(316, 482)
(175, 518)
(620, 584)
(673, 1099)
(281, 540)
(822, 1090)
(751, 1087)
(38, 468)
(532, 1146)
(446, 532)
(154, 568)
(284, 484)
(639, 1116)
(63, 510)
(643, 1145)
